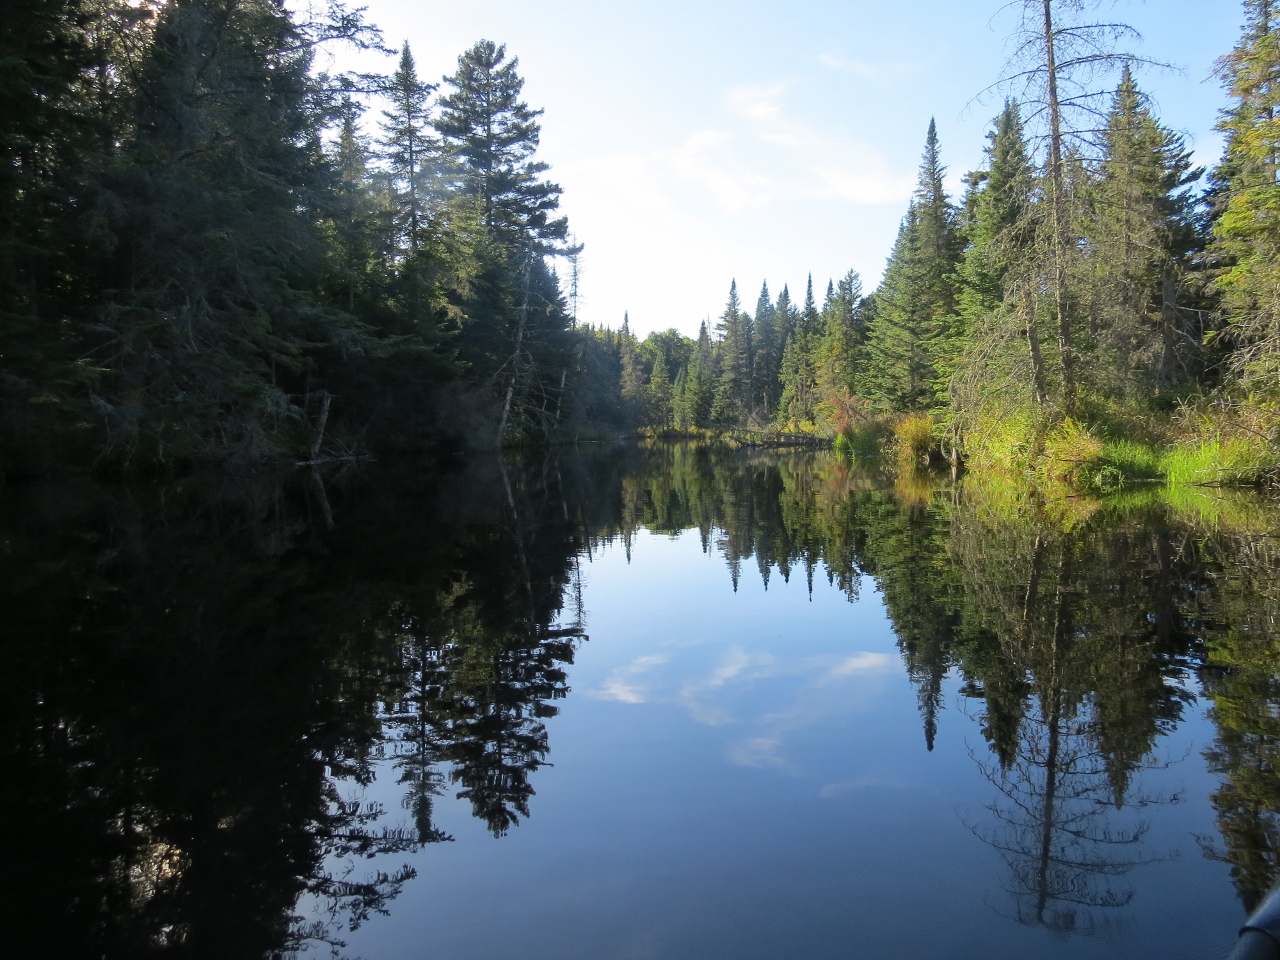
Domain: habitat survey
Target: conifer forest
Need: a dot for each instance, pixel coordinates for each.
(214, 252)
(369, 593)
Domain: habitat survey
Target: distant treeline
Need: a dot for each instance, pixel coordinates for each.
(210, 250)
(1091, 279)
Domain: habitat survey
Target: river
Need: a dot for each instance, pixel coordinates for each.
(660, 702)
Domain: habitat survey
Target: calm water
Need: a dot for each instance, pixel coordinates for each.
(630, 704)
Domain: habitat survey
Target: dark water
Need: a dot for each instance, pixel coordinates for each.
(817, 715)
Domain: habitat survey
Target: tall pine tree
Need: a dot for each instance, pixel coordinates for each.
(916, 301)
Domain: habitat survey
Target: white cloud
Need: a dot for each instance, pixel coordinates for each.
(877, 72)
(738, 667)
(760, 752)
(860, 783)
(856, 664)
(622, 686)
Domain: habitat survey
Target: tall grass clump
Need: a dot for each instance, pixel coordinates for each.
(913, 441)
(1003, 444)
(862, 440)
(1226, 461)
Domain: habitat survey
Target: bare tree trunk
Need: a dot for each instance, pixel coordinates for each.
(515, 356)
(1033, 344)
(317, 433)
(1057, 211)
(1168, 326)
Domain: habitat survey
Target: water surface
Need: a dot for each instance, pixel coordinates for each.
(636, 703)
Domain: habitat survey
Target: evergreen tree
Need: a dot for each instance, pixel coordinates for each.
(995, 333)
(1141, 232)
(517, 337)
(997, 203)
(701, 381)
(799, 362)
(733, 388)
(916, 301)
(1246, 229)
(492, 136)
(408, 149)
(211, 319)
(659, 400)
(766, 354)
(838, 351)
(634, 393)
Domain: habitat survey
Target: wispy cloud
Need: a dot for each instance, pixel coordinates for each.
(737, 667)
(877, 72)
(623, 684)
(796, 694)
(758, 155)
(860, 783)
(858, 663)
(758, 752)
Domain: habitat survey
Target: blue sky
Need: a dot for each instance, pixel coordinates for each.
(701, 140)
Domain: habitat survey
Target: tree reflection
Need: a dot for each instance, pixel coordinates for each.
(1241, 620)
(196, 671)
(203, 675)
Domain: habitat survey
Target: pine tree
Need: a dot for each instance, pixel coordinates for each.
(409, 149)
(1141, 231)
(799, 362)
(733, 388)
(916, 301)
(492, 136)
(1247, 226)
(766, 354)
(517, 337)
(838, 352)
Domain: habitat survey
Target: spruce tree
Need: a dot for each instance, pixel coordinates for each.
(701, 383)
(766, 354)
(492, 136)
(1141, 231)
(409, 149)
(838, 351)
(660, 395)
(998, 201)
(1246, 228)
(916, 301)
(995, 334)
(733, 388)
(635, 396)
(799, 362)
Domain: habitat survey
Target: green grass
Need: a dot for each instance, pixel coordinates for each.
(1102, 458)
(1228, 462)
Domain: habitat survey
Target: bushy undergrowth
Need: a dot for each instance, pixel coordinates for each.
(1105, 451)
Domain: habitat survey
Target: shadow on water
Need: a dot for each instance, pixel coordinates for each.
(197, 671)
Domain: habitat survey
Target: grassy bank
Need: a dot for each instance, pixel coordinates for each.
(1100, 449)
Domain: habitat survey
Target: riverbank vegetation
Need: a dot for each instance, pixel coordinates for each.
(1094, 309)
(215, 251)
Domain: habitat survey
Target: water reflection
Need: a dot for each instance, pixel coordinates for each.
(199, 673)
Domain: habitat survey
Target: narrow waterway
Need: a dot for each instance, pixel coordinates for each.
(667, 703)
